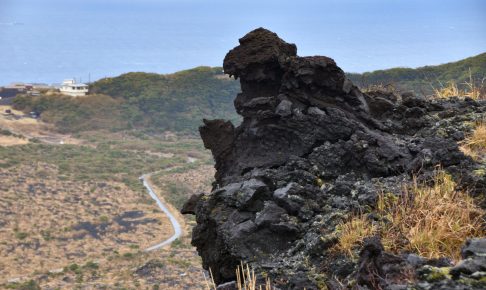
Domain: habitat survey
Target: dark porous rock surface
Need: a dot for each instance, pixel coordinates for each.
(469, 273)
(312, 149)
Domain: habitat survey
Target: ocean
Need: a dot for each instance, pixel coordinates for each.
(46, 41)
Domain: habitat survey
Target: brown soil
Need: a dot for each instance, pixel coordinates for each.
(17, 122)
(68, 234)
(49, 224)
(11, 141)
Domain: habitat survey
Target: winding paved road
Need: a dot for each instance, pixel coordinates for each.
(175, 224)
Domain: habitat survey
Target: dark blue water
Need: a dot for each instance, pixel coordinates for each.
(50, 40)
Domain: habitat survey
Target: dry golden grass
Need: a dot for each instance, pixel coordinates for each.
(4, 108)
(386, 88)
(245, 280)
(475, 144)
(11, 141)
(474, 89)
(42, 215)
(353, 233)
(450, 90)
(38, 235)
(432, 221)
(30, 128)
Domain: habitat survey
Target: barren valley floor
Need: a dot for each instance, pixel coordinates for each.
(76, 215)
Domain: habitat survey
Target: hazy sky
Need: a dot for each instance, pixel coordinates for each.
(48, 40)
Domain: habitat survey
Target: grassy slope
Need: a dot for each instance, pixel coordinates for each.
(176, 102)
(119, 160)
(111, 158)
(423, 79)
(181, 99)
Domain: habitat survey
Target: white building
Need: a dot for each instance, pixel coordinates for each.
(71, 88)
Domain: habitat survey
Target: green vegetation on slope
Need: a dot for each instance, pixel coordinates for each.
(176, 102)
(110, 159)
(70, 115)
(423, 80)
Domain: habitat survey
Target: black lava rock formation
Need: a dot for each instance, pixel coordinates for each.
(311, 149)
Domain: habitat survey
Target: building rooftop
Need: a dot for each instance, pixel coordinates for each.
(71, 82)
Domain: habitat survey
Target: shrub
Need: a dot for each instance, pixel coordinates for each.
(5, 132)
(21, 235)
(29, 285)
(46, 235)
(128, 255)
(104, 219)
(74, 268)
(177, 193)
(91, 265)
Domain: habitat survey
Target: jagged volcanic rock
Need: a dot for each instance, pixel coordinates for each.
(311, 149)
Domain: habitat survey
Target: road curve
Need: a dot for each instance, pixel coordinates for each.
(175, 224)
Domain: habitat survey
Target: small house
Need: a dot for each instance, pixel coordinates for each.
(71, 88)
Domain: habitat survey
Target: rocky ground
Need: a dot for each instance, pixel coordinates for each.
(313, 150)
(88, 235)
(77, 217)
(50, 223)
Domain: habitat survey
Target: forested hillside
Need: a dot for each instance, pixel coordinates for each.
(154, 102)
(423, 80)
(178, 100)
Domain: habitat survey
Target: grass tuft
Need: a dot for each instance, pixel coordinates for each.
(245, 280)
(353, 233)
(449, 90)
(384, 88)
(475, 144)
(432, 221)
(474, 89)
